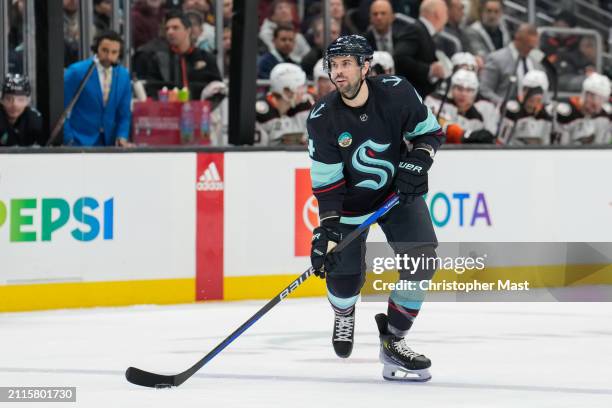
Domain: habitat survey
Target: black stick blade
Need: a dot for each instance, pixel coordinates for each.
(147, 379)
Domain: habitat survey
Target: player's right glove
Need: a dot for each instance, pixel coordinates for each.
(324, 238)
(411, 180)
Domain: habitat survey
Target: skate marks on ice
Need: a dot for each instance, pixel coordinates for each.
(328, 380)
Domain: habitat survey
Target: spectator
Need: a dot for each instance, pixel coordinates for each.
(555, 43)
(103, 10)
(323, 84)
(574, 65)
(174, 62)
(415, 53)
(454, 27)
(382, 64)
(205, 38)
(227, 48)
(101, 115)
(16, 23)
(71, 31)
(228, 11)
(384, 30)
(527, 121)
(197, 32)
(20, 125)
(282, 12)
(337, 11)
(284, 43)
(316, 52)
(281, 115)
(147, 16)
(510, 61)
(490, 32)
(587, 119)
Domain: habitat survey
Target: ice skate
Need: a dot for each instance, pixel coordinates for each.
(400, 363)
(344, 332)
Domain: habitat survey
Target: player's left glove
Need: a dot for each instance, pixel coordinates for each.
(324, 238)
(411, 180)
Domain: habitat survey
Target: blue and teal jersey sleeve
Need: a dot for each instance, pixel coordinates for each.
(327, 167)
(419, 123)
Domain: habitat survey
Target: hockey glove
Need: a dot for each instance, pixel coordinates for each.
(411, 180)
(324, 238)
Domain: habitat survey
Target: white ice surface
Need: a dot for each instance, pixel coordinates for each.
(484, 355)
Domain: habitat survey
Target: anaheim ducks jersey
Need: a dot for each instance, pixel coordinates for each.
(481, 115)
(274, 129)
(579, 129)
(355, 152)
(521, 128)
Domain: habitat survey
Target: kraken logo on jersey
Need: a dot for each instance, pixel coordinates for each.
(363, 162)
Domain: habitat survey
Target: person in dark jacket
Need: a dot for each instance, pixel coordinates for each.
(174, 61)
(415, 53)
(147, 17)
(20, 125)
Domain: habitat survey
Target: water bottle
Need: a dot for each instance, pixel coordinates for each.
(187, 123)
(205, 122)
(162, 94)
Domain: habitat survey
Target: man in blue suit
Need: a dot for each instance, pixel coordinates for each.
(101, 115)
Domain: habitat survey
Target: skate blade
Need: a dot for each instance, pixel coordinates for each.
(397, 373)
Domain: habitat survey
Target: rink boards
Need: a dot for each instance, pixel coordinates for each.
(102, 229)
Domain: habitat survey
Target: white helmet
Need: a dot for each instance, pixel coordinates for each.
(536, 79)
(384, 59)
(318, 71)
(286, 75)
(465, 78)
(464, 58)
(597, 84)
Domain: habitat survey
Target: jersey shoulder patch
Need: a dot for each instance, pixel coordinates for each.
(262, 107)
(264, 112)
(513, 106)
(564, 109)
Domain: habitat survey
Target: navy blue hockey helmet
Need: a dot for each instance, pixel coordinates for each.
(348, 45)
(16, 84)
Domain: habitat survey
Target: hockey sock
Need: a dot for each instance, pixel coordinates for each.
(342, 306)
(401, 317)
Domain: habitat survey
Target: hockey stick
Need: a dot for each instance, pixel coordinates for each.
(147, 379)
(66, 112)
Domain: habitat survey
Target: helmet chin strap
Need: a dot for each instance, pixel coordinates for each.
(356, 93)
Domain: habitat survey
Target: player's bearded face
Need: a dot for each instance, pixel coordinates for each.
(346, 74)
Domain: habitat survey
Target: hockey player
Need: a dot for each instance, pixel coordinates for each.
(20, 124)
(382, 63)
(527, 121)
(464, 60)
(466, 117)
(588, 119)
(323, 84)
(281, 115)
(359, 158)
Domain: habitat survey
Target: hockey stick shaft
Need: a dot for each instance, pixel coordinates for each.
(66, 112)
(147, 379)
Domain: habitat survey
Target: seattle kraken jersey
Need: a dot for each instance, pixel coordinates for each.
(355, 152)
